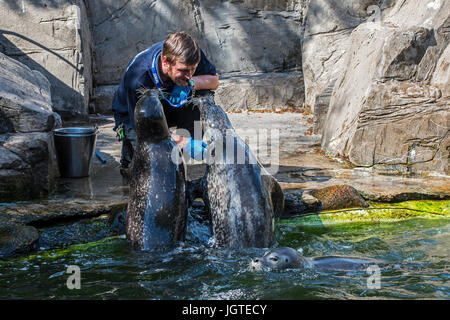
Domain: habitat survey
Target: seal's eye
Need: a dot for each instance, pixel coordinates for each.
(274, 259)
(286, 260)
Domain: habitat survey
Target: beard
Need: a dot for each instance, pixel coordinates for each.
(178, 81)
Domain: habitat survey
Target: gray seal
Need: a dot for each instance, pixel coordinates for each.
(289, 258)
(157, 209)
(241, 197)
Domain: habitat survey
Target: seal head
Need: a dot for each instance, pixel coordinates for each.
(285, 258)
(151, 122)
(278, 259)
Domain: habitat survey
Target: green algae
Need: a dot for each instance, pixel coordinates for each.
(59, 253)
(377, 212)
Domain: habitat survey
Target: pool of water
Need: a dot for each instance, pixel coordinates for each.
(416, 252)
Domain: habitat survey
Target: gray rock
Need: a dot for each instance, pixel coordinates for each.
(250, 78)
(269, 91)
(327, 28)
(240, 37)
(53, 38)
(15, 239)
(25, 104)
(389, 108)
(102, 98)
(27, 169)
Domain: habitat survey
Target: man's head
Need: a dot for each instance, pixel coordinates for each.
(180, 57)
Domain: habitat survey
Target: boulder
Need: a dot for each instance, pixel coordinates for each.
(27, 164)
(52, 37)
(268, 91)
(15, 239)
(338, 197)
(298, 202)
(25, 104)
(27, 168)
(389, 107)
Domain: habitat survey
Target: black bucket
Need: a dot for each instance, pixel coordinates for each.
(74, 148)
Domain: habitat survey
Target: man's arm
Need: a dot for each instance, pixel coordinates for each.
(206, 82)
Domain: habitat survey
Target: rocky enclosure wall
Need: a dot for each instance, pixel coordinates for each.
(52, 37)
(390, 105)
(27, 156)
(375, 73)
(257, 41)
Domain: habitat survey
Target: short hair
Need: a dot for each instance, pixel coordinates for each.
(180, 46)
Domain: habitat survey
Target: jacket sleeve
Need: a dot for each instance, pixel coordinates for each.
(204, 66)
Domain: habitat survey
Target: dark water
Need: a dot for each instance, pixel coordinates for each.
(416, 252)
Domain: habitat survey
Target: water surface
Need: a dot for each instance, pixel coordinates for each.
(416, 252)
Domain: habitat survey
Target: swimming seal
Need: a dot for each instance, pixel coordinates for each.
(288, 258)
(241, 197)
(157, 210)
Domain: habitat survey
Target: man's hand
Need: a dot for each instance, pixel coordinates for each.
(179, 94)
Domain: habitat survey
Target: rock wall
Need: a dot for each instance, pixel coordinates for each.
(390, 106)
(328, 25)
(242, 38)
(27, 161)
(52, 37)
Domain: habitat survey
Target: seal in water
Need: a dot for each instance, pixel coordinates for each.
(157, 210)
(285, 258)
(241, 197)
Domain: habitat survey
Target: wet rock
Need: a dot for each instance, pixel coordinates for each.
(297, 203)
(15, 239)
(338, 197)
(49, 212)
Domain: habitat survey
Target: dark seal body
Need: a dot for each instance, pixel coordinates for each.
(241, 201)
(289, 258)
(157, 210)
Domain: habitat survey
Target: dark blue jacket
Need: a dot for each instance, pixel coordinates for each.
(139, 75)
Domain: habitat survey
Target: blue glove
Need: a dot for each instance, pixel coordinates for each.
(179, 94)
(196, 149)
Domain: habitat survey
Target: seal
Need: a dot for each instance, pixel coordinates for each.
(289, 258)
(157, 209)
(241, 197)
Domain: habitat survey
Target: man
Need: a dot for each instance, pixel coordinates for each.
(177, 67)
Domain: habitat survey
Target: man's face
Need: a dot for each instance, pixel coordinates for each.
(180, 73)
